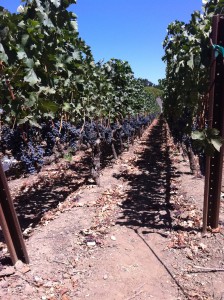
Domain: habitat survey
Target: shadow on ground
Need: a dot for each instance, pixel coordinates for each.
(48, 192)
(148, 201)
(51, 187)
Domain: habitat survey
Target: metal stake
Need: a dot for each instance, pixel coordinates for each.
(10, 224)
(213, 176)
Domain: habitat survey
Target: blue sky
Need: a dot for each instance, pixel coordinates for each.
(131, 30)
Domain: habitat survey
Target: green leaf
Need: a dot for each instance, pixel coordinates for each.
(24, 120)
(60, 65)
(46, 90)
(74, 25)
(69, 74)
(31, 77)
(34, 122)
(21, 54)
(47, 106)
(30, 119)
(56, 3)
(91, 108)
(29, 63)
(67, 82)
(34, 23)
(217, 143)
(190, 62)
(66, 106)
(47, 22)
(49, 115)
(76, 55)
(30, 29)
(3, 55)
(37, 63)
(78, 108)
(24, 40)
(33, 98)
(21, 24)
(212, 131)
(198, 135)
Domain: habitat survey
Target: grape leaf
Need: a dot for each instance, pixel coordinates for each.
(56, 3)
(31, 77)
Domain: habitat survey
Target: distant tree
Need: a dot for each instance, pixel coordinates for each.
(160, 84)
(154, 91)
(146, 82)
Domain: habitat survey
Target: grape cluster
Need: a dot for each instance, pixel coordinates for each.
(106, 134)
(29, 144)
(74, 135)
(22, 145)
(11, 140)
(49, 133)
(90, 134)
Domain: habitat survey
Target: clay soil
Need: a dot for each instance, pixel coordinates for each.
(137, 236)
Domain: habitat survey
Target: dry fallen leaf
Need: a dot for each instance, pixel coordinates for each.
(65, 297)
(202, 246)
(113, 238)
(215, 230)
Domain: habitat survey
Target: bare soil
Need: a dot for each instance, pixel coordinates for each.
(136, 236)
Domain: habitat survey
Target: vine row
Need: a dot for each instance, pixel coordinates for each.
(29, 147)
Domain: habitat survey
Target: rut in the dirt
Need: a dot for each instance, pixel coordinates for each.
(146, 205)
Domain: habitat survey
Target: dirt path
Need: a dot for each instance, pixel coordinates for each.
(137, 236)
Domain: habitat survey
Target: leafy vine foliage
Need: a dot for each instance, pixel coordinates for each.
(53, 95)
(186, 86)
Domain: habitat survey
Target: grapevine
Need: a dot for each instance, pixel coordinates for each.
(186, 86)
(55, 99)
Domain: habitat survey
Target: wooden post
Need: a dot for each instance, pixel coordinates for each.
(10, 224)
